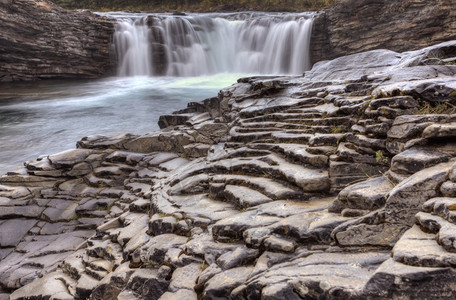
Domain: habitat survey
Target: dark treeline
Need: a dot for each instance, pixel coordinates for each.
(196, 5)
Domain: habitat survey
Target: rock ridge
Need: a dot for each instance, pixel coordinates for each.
(339, 184)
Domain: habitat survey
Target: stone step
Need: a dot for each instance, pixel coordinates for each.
(444, 207)
(249, 137)
(278, 136)
(85, 286)
(326, 139)
(327, 109)
(299, 153)
(242, 197)
(270, 126)
(105, 249)
(269, 187)
(275, 105)
(94, 181)
(413, 160)
(140, 189)
(339, 271)
(285, 117)
(349, 152)
(309, 180)
(309, 228)
(329, 121)
(113, 171)
(394, 102)
(416, 248)
(42, 167)
(73, 265)
(248, 129)
(291, 137)
(129, 158)
(191, 185)
(446, 231)
(366, 195)
(196, 207)
(96, 274)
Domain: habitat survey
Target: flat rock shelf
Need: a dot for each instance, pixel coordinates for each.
(339, 184)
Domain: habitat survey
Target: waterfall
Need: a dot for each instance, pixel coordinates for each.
(163, 45)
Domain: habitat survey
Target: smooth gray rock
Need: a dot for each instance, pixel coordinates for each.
(370, 194)
(413, 160)
(237, 258)
(222, 284)
(416, 248)
(440, 131)
(276, 244)
(185, 278)
(233, 227)
(12, 231)
(69, 158)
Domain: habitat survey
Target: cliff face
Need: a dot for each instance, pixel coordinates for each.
(354, 26)
(39, 40)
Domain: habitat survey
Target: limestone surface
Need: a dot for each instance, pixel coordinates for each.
(339, 184)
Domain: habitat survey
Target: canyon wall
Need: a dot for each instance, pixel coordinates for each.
(40, 40)
(353, 26)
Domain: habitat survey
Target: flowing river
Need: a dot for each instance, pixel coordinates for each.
(164, 62)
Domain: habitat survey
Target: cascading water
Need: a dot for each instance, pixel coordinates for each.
(206, 44)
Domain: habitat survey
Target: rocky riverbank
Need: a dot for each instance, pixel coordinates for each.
(40, 40)
(338, 185)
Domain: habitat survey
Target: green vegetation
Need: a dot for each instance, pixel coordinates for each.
(196, 5)
(379, 157)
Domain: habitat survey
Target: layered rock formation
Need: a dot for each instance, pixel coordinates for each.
(39, 40)
(353, 26)
(338, 185)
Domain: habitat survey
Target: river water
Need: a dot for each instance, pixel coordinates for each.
(42, 118)
(200, 54)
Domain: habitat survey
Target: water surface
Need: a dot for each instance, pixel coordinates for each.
(41, 118)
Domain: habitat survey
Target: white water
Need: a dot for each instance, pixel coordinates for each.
(45, 117)
(197, 45)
